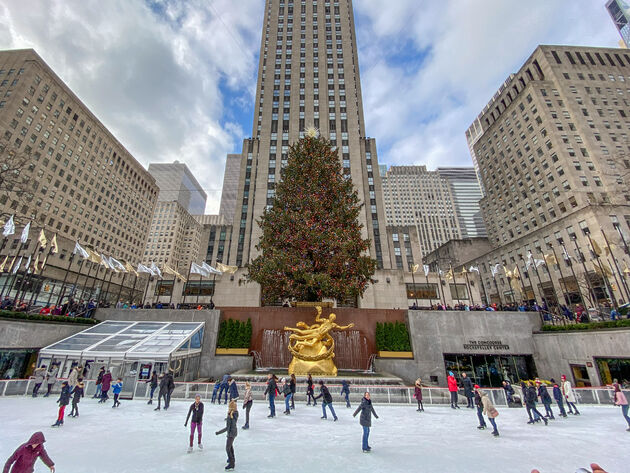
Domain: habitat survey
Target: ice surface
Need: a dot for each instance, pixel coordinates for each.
(134, 438)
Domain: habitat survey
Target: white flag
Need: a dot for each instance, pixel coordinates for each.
(530, 260)
(565, 254)
(210, 269)
(474, 269)
(143, 269)
(28, 264)
(196, 269)
(9, 227)
(17, 266)
(25, 231)
(79, 249)
(155, 270)
(425, 267)
(495, 269)
(117, 264)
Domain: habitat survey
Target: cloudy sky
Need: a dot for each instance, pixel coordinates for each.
(175, 79)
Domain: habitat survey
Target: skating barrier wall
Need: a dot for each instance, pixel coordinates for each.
(380, 394)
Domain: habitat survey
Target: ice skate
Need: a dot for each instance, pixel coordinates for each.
(190, 449)
(200, 446)
(150, 401)
(495, 433)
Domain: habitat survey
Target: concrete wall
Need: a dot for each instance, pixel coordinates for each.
(555, 351)
(24, 334)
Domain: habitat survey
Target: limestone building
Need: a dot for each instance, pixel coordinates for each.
(230, 187)
(619, 12)
(554, 162)
(466, 193)
(177, 183)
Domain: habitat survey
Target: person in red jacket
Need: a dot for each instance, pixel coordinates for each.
(452, 387)
(24, 458)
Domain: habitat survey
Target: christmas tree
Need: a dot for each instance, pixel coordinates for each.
(311, 247)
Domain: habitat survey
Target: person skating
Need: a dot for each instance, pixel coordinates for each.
(99, 382)
(621, 400)
(417, 393)
(468, 390)
(293, 385)
(557, 395)
(105, 385)
(215, 390)
(310, 391)
(324, 393)
(77, 393)
(248, 401)
(271, 390)
(40, 375)
(232, 389)
(63, 401)
(569, 395)
(153, 383)
(196, 410)
(163, 392)
(545, 398)
(529, 399)
(482, 422)
(286, 390)
(490, 411)
(452, 388)
(24, 458)
(51, 380)
(75, 374)
(231, 428)
(224, 388)
(345, 392)
(367, 410)
(117, 388)
(509, 391)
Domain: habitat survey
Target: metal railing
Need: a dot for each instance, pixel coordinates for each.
(380, 394)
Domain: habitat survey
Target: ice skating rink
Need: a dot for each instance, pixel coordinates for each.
(134, 438)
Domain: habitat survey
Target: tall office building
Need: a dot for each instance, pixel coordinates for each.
(422, 199)
(619, 11)
(554, 160)
(308, 76)
(230, 187)
(466, 193)
(177, 183)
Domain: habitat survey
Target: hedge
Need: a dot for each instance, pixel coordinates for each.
(6, 314)
(587, 326)
(234, 334)
(392, 336)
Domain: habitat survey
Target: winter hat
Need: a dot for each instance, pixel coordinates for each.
(564, 376)
(552, 380)
(538, 381)
(321, 382)
(450, 373)
(477, 386)
(282, 380)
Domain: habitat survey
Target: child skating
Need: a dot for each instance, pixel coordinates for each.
(77, 393)
(116, 389)
(232, 431)
(418, 394)
(196, 410)
(63, 401)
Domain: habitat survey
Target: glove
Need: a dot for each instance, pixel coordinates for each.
(217, 433)
(186, 424)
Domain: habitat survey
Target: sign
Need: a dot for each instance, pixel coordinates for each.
(487, 345)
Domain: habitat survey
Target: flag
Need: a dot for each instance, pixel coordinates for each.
(596, 249)
(210, 269)
(196, 269)
(130, 269)
(565, 254)
(105, 262)
(94, 257)
(224, 268)
(35, 263)
(449, 275)
(155, 270)
(610, 248)
(474, 269)
(25, 231)
(626, 270)
(54, 248)
(550, 259)
(530, 260)
(495, 269)
(414, 268)
(79, 249)
(603, 271)
(16, 267)
(143, 269)
(43, 241)
(9, 227)
(464, 270)
(425, 268)
(171, 271)
(4, 262)
(117, 264)
(28, 264)
(516, 273)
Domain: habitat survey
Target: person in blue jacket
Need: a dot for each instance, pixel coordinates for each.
(117, 388)
(215, 390)
(345, 392)
(232, 389)
(223, 388)
(545, 398)
(557, 395)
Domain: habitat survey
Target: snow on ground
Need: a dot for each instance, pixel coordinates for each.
(134, 438)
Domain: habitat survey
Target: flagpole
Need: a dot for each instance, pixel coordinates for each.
(199, 288)
(565, 291)
(494, 278)
(146, 289)
(87, 279)
(120, 287)
(586, 276)
(109, 283)
(459, 302)
(472, 301)
(185, 284)
(553, 286)
(623, 282)
(620, 286)
(426, 276)
(415, 292)
(34, 276)
(133, 288)
(15, 259)
(19, 290)
(41, 275)
(570, 263)
(214, 278)
(170, 300)
(485, 293)
(4, 243)
(441, 294)
(520, 278)
(603, 273)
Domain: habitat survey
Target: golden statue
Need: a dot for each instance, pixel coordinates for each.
(313, 347)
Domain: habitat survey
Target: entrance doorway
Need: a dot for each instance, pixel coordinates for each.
(581, 378)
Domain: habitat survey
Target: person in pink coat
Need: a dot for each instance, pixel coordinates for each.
(452, 387)
(620, 400)
(24, 458)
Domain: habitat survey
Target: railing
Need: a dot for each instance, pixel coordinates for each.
(380, 394)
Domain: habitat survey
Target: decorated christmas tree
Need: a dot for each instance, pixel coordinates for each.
(311, 247)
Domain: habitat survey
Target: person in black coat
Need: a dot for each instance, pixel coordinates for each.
(367, 410)
(63, 401)
(99, 382)
(509, 391)
(232, 431)
(78, 393)
(326, 401)
(529, 397)
(271, 391)
(153, 383)
(345, 392)
(163, 392)
(468, 390)
(479, 404)
(196, 410)
(170, 389)
(232, 389)
(310, 392)
(293, 386)
(557, 395)
(545, 398)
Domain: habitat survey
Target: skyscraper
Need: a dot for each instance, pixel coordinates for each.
(619, 11)
(177, 183)
(466, 193)
(308, 76)
(230, 186)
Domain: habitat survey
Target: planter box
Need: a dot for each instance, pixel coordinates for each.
(232, 351)
(395, 354)
(322, 304)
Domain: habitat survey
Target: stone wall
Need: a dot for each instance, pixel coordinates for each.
(26, 334)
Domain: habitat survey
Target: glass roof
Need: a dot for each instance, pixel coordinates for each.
(116, 339)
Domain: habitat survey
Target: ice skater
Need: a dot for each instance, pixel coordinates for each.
(153, 383)
(223, 388)
(232, 389)
(105, 385)
(217, 384)
(621, 400)
(479, 403)
(196, 410)
(293, 385)
(247, 403)
(231, 428)
(468, 390)
(529, 399)
(452, 388)
(509, 391)
(418, 394)
(310, 391)
(40, 375)
(367, 410)
(286, 390)
(545, 398)
(63, 401)
(77, 393)
(24, 458)
(99, 382)
(490, 411)
(345, 392)
(117, 388)
(163, 392)
(271, 391)
(51, 380)
(324, 393)
(569, 395)
(170, 385)
(557, 395)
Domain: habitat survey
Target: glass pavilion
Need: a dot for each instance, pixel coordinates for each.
(131, 350)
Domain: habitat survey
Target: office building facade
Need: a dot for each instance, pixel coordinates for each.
(466, 193)
(230, 186)
(619, 11)
(177, 183)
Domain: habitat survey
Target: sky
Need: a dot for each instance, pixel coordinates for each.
(175, 79)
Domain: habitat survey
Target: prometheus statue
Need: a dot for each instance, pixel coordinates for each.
(312, 346)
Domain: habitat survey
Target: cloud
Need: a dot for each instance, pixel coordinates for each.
(160, 74)
(428, 68)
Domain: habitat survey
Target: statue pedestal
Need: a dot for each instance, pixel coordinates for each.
(302, 368)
